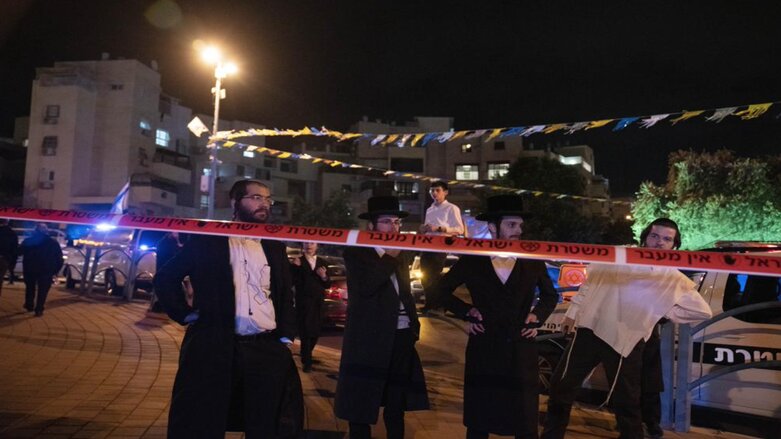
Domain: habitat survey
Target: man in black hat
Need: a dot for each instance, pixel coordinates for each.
(379, 365)
(501, 373)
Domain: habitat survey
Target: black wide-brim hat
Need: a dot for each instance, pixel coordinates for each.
(384, 205)
(504, 205)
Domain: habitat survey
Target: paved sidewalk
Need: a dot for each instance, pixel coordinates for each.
(104, 368)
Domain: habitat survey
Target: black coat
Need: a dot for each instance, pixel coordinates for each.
(9, 246)
(500, 377)
(372, 316)
(202, 390)
(41, 256)
(310, 294)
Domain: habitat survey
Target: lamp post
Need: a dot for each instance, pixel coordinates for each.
(222, 69)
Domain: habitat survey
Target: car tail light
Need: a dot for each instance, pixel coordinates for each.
(333, 293)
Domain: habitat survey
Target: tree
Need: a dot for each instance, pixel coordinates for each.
(554, 219)
(715, 197)
(334, 212)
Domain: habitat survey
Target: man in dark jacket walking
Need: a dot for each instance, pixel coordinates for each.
(379, 365)
(500, 377)
(310, 280)
(236, 371)
(41, 260)
(9, 246)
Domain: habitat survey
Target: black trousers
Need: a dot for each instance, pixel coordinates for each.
(652, 384)
(585, 352)
(431, 266)
(307, 346)
(32, 282)
(394, 398)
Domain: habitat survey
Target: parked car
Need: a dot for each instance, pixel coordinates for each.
(744, 338)
(335, 306)
(113, 267)
(416, 276)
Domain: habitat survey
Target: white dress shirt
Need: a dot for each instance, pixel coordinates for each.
(503, 266)
(446, 215)
(252, 284)
(621, 304)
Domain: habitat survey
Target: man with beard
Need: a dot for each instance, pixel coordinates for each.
(616, 311)
(500, 375)
(379, 364)
(235, 367)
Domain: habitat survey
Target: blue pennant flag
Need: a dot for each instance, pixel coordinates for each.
(625, 122)
(514, 131)
(428, 138)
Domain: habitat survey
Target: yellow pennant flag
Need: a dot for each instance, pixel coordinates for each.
(458, 135)
(285, 155)
(350, 136)
(754, 111)
(391, 138)
(416, 139)
(598, 124)
(686, 115)
(555, 127)
(228, 144)
(494, 134)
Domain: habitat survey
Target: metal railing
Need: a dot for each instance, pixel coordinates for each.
(677, 399)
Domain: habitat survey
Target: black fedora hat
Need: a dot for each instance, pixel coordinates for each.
(504, 205)
(384, 205)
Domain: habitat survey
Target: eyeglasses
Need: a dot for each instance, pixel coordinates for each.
(256, 197)
(390, 222)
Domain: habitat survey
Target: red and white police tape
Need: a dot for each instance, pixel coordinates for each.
(686, 260)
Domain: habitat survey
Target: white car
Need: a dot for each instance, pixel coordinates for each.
(114, 248)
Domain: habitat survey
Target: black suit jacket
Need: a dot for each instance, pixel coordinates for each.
(310, 294)
(504, 307)
(206, 259)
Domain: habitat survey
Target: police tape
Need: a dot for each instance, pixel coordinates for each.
(542, 250)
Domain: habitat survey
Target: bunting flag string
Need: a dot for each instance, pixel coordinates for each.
(403, 175)
(421, 139)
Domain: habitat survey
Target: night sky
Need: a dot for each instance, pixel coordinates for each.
(517, 63)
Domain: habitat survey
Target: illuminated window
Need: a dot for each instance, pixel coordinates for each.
(497, 170)
(467, 172)
(146, 128)
(466, 147)
(162, 138)
(248, 154)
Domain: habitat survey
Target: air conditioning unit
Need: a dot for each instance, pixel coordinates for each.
(50, 120)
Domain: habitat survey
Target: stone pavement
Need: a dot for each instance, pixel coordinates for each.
(98, 367)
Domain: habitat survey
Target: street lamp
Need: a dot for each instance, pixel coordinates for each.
(222, 69)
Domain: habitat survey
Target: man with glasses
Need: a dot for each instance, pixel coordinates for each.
(235, 367)
(442, 218)
(379, 364)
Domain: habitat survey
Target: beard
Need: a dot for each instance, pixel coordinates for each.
(259, 215)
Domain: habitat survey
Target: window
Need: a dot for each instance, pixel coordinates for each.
(46, 179)
(143, 157)
(466, 147)
(296, 188)
(270, 162)
(248, 154)
(499, 146)
(407, 165)
(52, 111)
(262, 174)
(346, 188)
(407, 189)
(240, 170)
(117, 86)
(146, 128)
(49, 146)
(162, 138)
(497, 170)
(466, 172)
(204, 201)
(749, 289)
(288, 166)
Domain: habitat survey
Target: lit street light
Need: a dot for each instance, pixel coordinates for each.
(222, 69)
